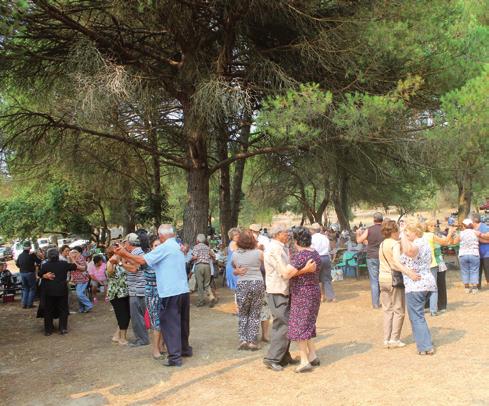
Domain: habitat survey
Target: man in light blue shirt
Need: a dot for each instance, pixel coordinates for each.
(168, 261)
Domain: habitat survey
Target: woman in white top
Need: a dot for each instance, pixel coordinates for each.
(416, 255)
(468, 254)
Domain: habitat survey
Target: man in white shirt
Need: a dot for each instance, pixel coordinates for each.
(278, 272)
(321, 244)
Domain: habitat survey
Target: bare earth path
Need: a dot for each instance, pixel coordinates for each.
(84, 368)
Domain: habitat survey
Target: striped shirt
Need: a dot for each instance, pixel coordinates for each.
(136, 282)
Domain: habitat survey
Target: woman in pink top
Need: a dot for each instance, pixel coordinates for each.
(96, 270)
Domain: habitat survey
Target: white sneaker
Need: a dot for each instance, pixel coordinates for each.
(467, 290)
(396, 344)
(386, 343)
(474, 291)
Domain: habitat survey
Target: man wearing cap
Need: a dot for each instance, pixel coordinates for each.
(483, 247)
(202, 257)
(373, 237)
(136, 285)
(168, 261)
(321, 244)
(27, 262)
(278, 272)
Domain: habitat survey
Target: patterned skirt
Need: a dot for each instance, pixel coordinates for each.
(304, 308)
(153, 306)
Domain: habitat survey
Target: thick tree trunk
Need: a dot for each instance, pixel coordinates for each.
(237, 192)
(464, 184)
(225, 216)
(195, 217)
(157, 195)
(340, 200)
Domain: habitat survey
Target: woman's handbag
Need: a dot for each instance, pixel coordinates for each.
(397, 280)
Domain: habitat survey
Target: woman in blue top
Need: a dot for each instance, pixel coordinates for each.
(231, 279)
(152, 305)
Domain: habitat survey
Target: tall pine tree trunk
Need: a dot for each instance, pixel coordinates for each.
(225, 220)
(464, 184)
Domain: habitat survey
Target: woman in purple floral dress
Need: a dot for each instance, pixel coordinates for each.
(305, 296)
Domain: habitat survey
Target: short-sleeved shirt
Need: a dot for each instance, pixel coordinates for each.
(136, 282)
(484, 246)
(79, 277)
(201, 252)
(249, 259)
(469, 243)
(320, 243)
(168, 261)
(421, 264)
(97, 272)
(117, 283)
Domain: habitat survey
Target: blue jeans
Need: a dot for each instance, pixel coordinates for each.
(325, 277)
(83, 300)
(469, 268)
(415, 307)
(433, 296)
(373, 273)
(28, 288)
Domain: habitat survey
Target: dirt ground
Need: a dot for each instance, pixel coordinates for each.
(85, 368)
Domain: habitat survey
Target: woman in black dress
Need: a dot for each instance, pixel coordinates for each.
(55, 289)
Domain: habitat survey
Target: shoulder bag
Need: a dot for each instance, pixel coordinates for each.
(397, 280)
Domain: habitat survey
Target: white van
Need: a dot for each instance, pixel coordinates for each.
(43, 242)
(116, 233)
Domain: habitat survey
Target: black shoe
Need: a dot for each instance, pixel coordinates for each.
(47, 333)
(168, 363)
(31, 306)
(24, 307)
(274, 366)
(63, 332)
(315, 362)
(288, 360)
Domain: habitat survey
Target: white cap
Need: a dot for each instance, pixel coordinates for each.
(467, 222)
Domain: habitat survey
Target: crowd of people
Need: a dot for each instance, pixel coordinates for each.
(280, 276)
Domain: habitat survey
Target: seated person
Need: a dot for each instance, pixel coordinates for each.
(6, 279)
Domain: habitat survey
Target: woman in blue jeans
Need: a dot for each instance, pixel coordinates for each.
(468, 255)
(416, 255)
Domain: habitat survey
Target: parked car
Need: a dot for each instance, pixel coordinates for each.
(116, 233)
(64, 241)
(79, 243)
(6, 253)
(43, 242)
(17, 249)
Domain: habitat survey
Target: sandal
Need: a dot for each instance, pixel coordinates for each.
(253, 347)
(429, 352)
(243, 345)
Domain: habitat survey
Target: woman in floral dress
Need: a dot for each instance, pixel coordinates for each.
(118, 294)
(305, 296)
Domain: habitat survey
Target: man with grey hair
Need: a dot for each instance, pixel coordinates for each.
(168, 261)
(278, 272)
(136, 284)
(202, 257)
(483, 247)
(372, 236)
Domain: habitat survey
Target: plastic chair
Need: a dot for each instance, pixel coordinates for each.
(348, 262)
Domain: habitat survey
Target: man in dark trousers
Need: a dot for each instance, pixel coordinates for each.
(373, 237)
(27, 262)
(168, 261)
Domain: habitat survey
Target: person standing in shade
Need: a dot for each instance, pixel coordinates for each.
(136, 284)
(202, 256)
(80, 279)
(168, 261)
(278, 272)
(55, 285)
(483, 247)
(27, 263)
(321, 244)
(262, 240)
(373, 237)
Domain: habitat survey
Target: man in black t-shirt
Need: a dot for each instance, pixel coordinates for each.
(27, 263)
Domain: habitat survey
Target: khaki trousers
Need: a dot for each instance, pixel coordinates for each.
(203, 282)
(393, 304)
